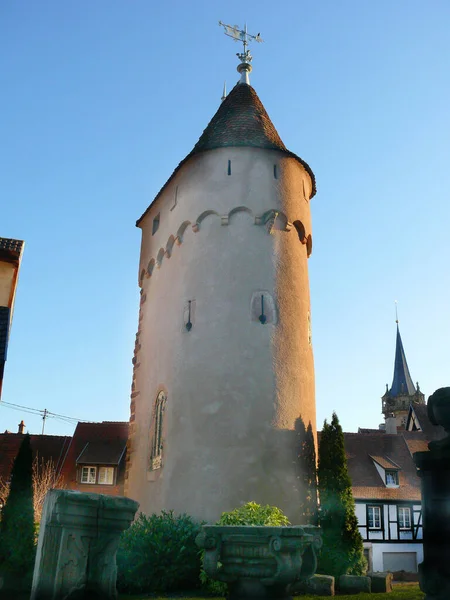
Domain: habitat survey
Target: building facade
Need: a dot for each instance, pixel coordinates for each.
(385, 484)
(223, 361)
(10, 259)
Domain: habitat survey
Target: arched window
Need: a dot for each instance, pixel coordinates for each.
(157, 447)
(262, 308)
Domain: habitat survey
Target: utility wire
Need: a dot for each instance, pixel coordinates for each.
(42, 413)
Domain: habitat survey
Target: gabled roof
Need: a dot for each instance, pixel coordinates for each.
(240, 121)
(385, 462)
(402, 384)
(45, 447)
(361, 449)
(90, 441)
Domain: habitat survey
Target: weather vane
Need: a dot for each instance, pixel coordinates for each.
(242, 35)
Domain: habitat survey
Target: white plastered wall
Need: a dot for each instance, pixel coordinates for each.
(234, 386)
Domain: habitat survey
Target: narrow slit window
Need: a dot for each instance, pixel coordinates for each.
(189, 314)
(175, 199)
(157, 445)
(229, 167)
(275, 171)
(155, 224)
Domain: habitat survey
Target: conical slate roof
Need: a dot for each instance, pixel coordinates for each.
(402, 384)
(240, 121)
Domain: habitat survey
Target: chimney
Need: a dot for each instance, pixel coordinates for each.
(21, 426)
(391, 425)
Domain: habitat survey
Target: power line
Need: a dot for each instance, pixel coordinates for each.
(44, 414)
(28, 408)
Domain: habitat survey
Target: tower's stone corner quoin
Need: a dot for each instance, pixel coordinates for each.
(223, 364)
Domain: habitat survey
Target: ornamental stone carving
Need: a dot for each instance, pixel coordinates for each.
(259, 562)
(78, 539)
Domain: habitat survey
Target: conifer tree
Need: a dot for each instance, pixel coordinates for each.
(17, 537)
(306, 461)
(342, 551)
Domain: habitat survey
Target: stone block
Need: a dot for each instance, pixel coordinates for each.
(77, 545)
(381, 582)
(353, 584)
(317, 585)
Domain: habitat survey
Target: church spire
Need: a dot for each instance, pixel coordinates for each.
(402, 384)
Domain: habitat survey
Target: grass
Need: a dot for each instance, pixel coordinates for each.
(400, 592)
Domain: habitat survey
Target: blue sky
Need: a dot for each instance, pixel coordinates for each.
(101, 100)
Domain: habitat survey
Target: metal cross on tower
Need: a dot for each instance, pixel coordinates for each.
(241, 35)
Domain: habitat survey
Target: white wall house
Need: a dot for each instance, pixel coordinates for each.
(387, 496)
(392, 534)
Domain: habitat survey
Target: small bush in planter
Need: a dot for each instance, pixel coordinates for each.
(158, 554)
(254, 514)
(248, 514)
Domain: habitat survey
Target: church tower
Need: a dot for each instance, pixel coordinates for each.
(223, 363)
(397, 399)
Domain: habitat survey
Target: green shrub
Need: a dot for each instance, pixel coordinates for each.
(249, 514)
(17, 537)
(158, 554)
(342, 551)
(254, 514)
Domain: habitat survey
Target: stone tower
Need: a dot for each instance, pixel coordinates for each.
(397, 399)
(223, 362)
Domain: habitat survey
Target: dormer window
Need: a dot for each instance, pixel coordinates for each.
(391, 477)
(89, 475)
(97, 475)
(99, 461)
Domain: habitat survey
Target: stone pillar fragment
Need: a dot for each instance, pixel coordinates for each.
(78, 539)
(434, 471)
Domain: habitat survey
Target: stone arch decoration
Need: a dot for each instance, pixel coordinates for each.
(272, 219)
(157, 440)
(151, 266)
(169, 246)
(160, 256)
(238, 209)
(300, 228)
(181, 230)
(309, 245)
(202, 217)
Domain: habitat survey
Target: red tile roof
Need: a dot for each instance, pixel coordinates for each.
(390, 450)
(45, 447)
